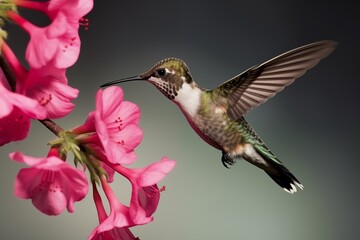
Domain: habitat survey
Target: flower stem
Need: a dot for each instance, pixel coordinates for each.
(98, 204)
(41, 6)
(19, 71)
(52, 126)
(22, 22)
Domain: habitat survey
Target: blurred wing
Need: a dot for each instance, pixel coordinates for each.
(261, 82)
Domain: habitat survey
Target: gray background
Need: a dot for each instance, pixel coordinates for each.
(312, 126)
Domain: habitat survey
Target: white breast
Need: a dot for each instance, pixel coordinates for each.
(188, 99)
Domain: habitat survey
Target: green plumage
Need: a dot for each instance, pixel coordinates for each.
(250, 136)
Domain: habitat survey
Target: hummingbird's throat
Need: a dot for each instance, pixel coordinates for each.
(166, 88)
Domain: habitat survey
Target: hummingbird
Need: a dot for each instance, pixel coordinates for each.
(217, 115)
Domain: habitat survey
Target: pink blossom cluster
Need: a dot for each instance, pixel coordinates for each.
(103, 145)
(108, 138)
(42, 91)
(112, 133)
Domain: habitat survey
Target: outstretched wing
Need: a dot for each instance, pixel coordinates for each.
(261, 82)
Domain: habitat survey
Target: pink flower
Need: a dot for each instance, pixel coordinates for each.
(48, 43)
(144, 200)
(61, 35)
(109, 230)
(9, 100)
(15, 113)
(74, 10)
(113, 233)
(148, 198)
(50, 183)
(47, 85)
(145, 193)
(116, 124)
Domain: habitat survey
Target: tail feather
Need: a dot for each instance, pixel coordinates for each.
(285, 179)
(277, 171)
(263, 158)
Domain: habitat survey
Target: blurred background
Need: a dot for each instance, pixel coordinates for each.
(312, 126)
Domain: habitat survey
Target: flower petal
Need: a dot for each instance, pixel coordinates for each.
(155, 172)
(73, 9)
(46, 163)
(61, 95)
(80, 186)
(51, 183)
(112, 116)
(48, 85)
(6, 107)
(68, 50)
(29, 107)
(149, 198)
(114, 152)
(25, 180)
(145, 195)
(58, 42)
(130, 112)
(57, 28)
(108, 100)
(14, 127)
(115, 233)
(128, 138)
(40, 49)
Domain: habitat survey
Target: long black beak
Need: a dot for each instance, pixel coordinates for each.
(128, 79)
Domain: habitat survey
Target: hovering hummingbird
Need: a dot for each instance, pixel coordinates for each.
(217, 115)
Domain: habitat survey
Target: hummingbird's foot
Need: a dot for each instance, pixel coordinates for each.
(227, 160)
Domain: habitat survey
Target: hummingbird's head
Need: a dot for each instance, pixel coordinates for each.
(168, 75)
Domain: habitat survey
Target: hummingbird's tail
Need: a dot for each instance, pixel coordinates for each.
(285, 179)
(260, 155)
(277, 171)
(266, 160)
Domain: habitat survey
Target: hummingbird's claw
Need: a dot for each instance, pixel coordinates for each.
(227, 160)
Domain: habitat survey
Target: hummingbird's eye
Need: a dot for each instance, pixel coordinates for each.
(161, 72)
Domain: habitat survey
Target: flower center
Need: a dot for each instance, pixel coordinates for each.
(71, 43)
(45, 99)
(50, 181)
(84, 22)
(119, 122)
